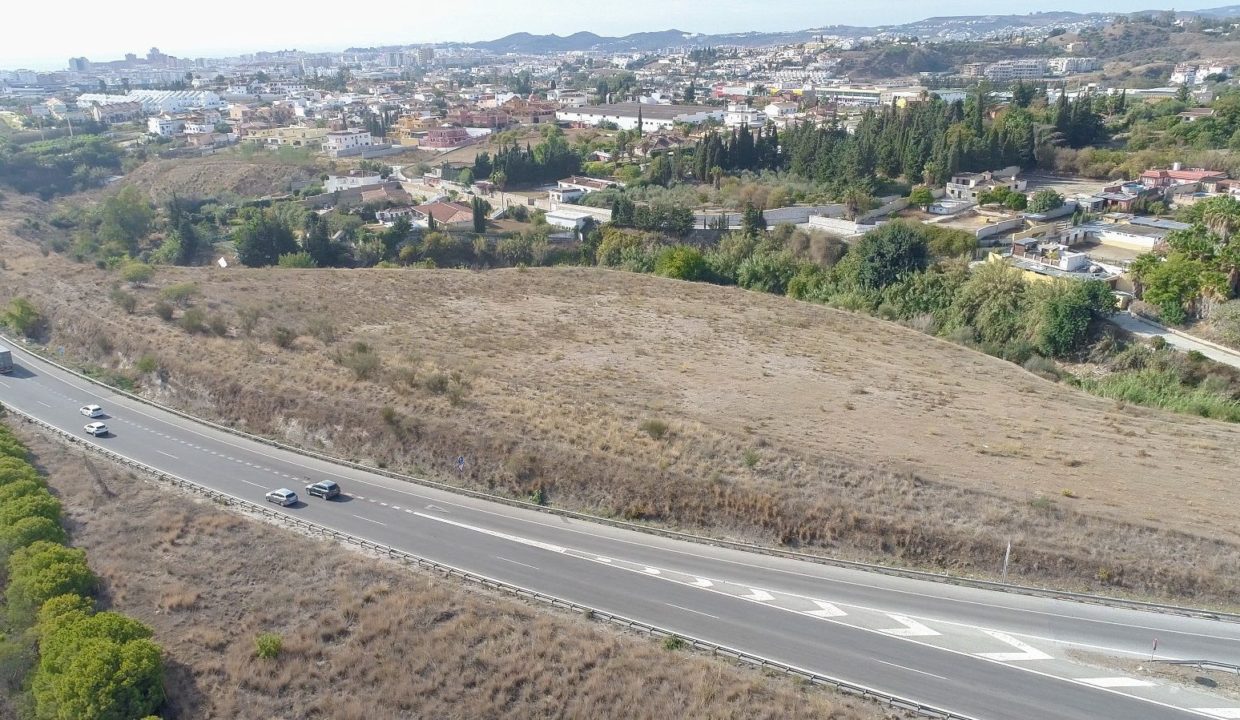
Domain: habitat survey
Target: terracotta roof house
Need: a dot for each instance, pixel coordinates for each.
(445, 213)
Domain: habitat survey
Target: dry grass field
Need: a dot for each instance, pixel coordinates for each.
(366, 639)
(707, 408)
(215, 174)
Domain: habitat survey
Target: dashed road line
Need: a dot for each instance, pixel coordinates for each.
(904, 667)
(514, 562)
(695, 612)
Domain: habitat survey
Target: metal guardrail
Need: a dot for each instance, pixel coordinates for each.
(997, 586)
(1204, 665)
(715, 649)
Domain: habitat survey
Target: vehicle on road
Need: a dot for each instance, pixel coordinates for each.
(6, 360)
(97, 429)
(283, 497)
(325, 489)
(92, 411)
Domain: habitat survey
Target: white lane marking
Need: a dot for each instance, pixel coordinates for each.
(250, 483)
(1027, 652)
(757, 595)
(696, 612)
(359, 517)
(5, 384)
(911, 628)
(436, 508)
(174, 457)
(395, 507)
(978, 656)
(825, 610)
(514, 562)
(408, 511)
(702, 583)
(1226, 713)
(1114, 682)
(821, 574)
(358, 497)
(904, 667)
(495, 533)
(383, 504)
(602, 559)
(652, 571)
(42, 403)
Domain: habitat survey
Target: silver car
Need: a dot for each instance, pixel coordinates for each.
(97, 429)
(283, 497)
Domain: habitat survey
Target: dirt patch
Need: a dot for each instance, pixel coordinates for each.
(786, 422)
(216, 175)
(363, 638)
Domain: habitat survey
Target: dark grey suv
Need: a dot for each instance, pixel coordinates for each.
(325, 489)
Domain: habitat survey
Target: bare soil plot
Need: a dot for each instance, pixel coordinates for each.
(363, 638)
(702, 407)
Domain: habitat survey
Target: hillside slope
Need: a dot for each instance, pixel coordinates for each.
(686, 404)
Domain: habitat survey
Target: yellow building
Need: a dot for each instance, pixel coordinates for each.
(294, 136)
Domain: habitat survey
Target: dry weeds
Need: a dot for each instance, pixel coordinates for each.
(788, 423)
(363, 639)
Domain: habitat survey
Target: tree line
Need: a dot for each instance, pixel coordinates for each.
(61, 658)
(924, 142)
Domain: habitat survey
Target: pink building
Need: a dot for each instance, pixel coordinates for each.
(445, 139)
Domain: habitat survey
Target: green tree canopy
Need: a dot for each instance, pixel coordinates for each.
(887, 254)
(262, 238)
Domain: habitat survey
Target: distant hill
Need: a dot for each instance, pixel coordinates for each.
(1229, 11)
(966, 27)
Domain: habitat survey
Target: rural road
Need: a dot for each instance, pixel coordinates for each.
(981, 654)
(1145, 329)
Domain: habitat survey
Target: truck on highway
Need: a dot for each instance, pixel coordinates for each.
(6, 360)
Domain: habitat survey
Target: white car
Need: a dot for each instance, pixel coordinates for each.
(283, 496)
(97, 429)
(91, 411)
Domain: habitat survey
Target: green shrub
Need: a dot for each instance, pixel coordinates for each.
(672, 643)
(194, 321)
(656, 429)
(362, 360)
(750, 458)
(147, 364)
(40, 571)
(163, 310)
(24, 318)
(218, 325)
(268, 646)
(96, 667)
(297, 260)
(283, 337)
(681, 262)
(136, 273)
(181, 294)
(124, 300)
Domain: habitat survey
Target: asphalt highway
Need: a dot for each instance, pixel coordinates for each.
(982, 654)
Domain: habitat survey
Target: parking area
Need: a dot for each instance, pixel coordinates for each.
(1066, 185)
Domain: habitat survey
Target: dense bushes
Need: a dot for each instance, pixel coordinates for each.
(86, 665)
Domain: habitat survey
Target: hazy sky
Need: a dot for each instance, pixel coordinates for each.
(43, 36)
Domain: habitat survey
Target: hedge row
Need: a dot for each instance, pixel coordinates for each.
(59, 659)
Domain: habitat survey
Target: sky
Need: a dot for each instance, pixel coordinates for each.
(44, 37)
